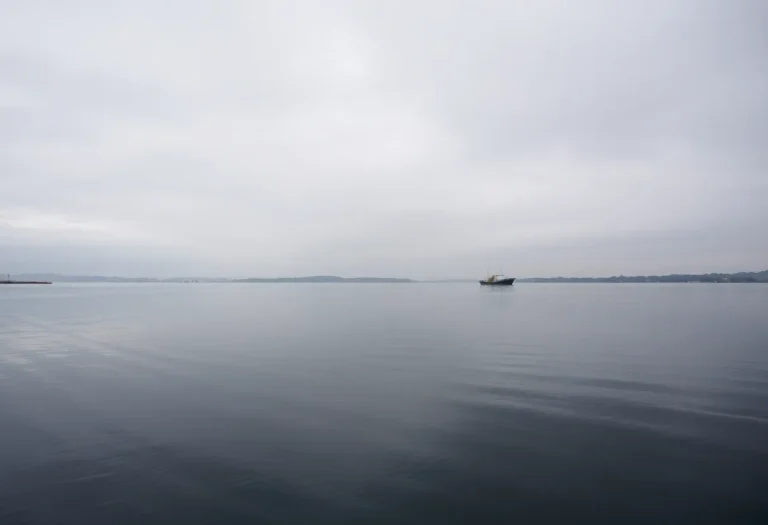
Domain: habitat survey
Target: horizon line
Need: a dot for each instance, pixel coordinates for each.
(336, 276)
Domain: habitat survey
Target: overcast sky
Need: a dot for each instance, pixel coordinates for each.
(423, 139)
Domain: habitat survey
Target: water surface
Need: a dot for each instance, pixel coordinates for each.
(383, 403)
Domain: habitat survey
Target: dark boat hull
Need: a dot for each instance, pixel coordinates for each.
(500, 282)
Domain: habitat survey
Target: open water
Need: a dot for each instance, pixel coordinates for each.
(383, 403)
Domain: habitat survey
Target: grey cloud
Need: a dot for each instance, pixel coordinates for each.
(528, 78)
(402, 138)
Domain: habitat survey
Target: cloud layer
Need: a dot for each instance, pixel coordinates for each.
(420, 139)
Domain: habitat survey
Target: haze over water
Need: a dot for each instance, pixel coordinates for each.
(404, 403)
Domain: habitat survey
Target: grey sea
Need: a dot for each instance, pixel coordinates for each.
(383, 403)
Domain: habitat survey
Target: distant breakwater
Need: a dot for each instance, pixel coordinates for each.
(25, 282)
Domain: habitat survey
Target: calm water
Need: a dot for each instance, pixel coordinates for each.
(407, 404)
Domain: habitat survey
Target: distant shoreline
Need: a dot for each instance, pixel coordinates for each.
(25, 282)
(324, 279)
(51, 278)
(739, 277)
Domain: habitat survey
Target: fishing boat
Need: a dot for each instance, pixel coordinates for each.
(498, 280)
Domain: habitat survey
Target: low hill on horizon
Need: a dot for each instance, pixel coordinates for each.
(738, 277)
(324, 279)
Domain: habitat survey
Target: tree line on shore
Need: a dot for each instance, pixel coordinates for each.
(740, 277)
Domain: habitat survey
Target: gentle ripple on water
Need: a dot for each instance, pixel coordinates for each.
(383, 404)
